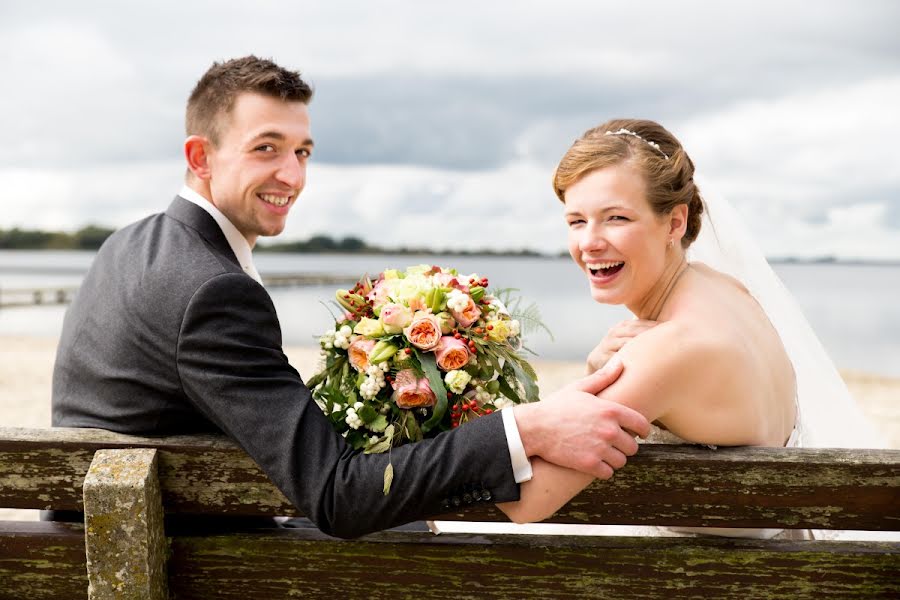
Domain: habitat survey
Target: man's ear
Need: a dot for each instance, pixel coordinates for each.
(196, 153)
(678, 221)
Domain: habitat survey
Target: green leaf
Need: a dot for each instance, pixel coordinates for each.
(333, 367)
(379, 447)
(356, 439)
(388, 478)
(529, 316)
(411, 427)
(528, 382)
(367, 414)
(379, 424)
(316, 379)
(430, 368)
(383, 444)
(495, 362)
(508, 391)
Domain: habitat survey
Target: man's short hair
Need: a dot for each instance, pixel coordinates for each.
(214, 95)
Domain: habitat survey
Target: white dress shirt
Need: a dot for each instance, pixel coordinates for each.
(520, 464)
(239, 244)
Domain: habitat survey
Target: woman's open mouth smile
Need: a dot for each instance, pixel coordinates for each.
(603, 272)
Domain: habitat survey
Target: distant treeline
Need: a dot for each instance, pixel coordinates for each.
(92, 236)
(354, 245)
(86, 238)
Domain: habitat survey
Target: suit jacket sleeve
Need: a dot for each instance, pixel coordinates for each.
(232, 368)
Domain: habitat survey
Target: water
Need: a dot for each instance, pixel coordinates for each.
(853, 308)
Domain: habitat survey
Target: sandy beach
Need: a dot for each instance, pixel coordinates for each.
(26, 368)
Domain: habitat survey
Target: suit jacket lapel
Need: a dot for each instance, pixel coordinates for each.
(198, 219)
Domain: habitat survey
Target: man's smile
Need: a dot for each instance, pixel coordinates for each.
(274, 199)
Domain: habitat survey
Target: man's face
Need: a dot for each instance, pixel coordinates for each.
(258, 168)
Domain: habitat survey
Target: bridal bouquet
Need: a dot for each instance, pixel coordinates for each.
(420, 351)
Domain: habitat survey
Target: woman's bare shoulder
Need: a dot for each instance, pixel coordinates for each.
(670, 364)
(679, 343)
(694, 382)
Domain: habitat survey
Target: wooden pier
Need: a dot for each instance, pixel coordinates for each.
(277, 280)
(16, 297)
(13, 297)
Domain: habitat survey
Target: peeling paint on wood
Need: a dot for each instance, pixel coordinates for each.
(306, 563)
(662, 485)
(418, 565)
(42, 561)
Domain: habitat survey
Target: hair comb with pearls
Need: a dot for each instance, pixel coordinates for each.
(653, 145)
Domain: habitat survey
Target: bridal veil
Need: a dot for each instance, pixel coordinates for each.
(829, 417)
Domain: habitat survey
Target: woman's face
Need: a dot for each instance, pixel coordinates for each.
(614, 236)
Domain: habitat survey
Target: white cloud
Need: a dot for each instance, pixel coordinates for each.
(509, 207)
(112, 195)
(71, 95)
(806, 169)
(792, 118)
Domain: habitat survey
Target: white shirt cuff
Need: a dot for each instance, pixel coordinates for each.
(520, 463)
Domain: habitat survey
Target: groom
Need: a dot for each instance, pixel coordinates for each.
(172, 332)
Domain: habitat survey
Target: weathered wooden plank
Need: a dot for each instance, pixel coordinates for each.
(662, 485)
(288, 563)
(281, 564)
(123, 518)
(42, 561)
(45, 468)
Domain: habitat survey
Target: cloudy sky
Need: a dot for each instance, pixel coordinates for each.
(440, 123)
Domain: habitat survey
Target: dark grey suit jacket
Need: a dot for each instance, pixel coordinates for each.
(168, 335)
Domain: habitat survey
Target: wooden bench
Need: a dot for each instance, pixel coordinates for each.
(122, 551)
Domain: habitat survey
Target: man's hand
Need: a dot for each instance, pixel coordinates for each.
(575, 429)
(616, 337)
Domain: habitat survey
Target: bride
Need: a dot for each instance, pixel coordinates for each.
(712, 358)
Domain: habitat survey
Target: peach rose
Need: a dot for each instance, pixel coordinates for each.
(358, 353)
(424, 331)
(410, 391)
(417, 303)
(468, 315)
(451, 353)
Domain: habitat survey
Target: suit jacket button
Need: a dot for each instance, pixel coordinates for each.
(467, 498)
(486, 496)
(455, 500)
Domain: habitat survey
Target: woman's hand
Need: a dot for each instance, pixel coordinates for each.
(616, 337)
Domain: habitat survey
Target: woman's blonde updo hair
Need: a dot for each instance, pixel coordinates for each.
(669, 181)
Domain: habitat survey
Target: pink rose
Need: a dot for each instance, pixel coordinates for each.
(424, 331)
(379, 294)
(410, 391)
(468, 315)
(358, 353)
(443, 279)
(451, 353)
(450, 281)
(394, 317)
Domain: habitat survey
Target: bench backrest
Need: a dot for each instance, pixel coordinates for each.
(662, 485)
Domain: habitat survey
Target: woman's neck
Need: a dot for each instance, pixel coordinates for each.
(653, 303)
